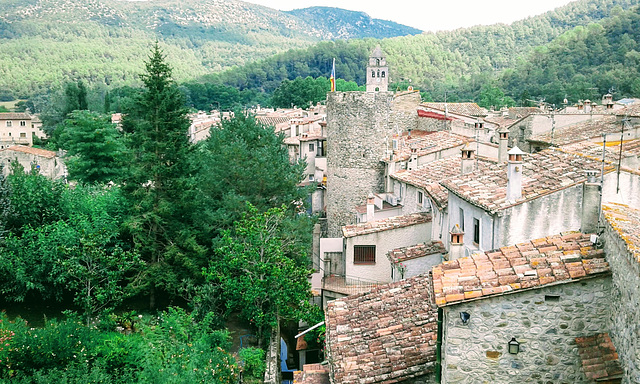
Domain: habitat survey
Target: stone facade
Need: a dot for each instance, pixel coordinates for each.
(544, 321)
(46, 162)
(620, 239)
(359, 129)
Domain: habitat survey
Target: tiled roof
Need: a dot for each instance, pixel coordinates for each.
(273, 121)
(429, 176)
(14, 116)
(31, 150)
(399, 255)
(578, 132)
(599, 357)
(469, 109)
(612, 152)
(630, 110)
(385, 224)
(425, 143)
(544, 172)
(550, 260)
(385, 336)
(501, 121)
(520, 112)
(626, 221)
(385, 206)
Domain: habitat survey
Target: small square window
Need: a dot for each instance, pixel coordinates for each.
(311, 147)
(364, 254)
(23, 135)
(312, 178)
(8, 123)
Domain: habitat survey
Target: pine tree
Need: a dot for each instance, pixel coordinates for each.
(157, 126)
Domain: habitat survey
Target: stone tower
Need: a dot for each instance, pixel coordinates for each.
(377, 72)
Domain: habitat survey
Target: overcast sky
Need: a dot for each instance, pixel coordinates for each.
(431, 15)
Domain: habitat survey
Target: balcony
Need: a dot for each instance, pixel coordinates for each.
(349, 285)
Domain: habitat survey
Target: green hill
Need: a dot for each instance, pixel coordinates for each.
(44, 43)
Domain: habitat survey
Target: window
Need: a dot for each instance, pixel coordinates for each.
(364, 254)
(312, 178)
(23, 123)
(23, 135)
(373, 74)
(476, 231)
(311, 147)
(382, 73)
(8, 123)
(377, 61)
(420, 198)
(461, 219)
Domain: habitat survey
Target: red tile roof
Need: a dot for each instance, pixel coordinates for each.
(429, 176)
(468, 109)
(599, 357)
(543, 173)
(31, 150)
(385, 224)
(626, 222)
(400, 255)
(273, 121)
(425, 143)
(579, 132)
(385, 336)
(551, 260)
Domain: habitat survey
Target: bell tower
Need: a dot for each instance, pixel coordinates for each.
(377, 72)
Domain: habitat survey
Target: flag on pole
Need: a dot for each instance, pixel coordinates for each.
(332, 79)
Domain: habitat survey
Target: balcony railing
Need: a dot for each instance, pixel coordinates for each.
(349, 285)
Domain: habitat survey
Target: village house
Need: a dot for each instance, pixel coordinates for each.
(529, 197)
(47, 163)
(416, 259)
(19, 128)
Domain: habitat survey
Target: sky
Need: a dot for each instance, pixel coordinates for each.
(431, 15)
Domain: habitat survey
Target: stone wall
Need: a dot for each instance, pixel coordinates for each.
(359, 127)
(624, 303)
(544, 321)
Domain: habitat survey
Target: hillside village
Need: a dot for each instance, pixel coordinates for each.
(464, 246)
(456, 244)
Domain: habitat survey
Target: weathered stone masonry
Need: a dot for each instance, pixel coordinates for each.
(360, 126)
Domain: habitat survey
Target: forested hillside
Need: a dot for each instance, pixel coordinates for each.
(583, 63)
(44, 43)
(458, 62)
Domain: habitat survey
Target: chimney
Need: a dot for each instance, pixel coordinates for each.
(503, 144)
(456, 243)
(514, 174)
(409, 133)
(413, 161)
(371, 207)
(590, 203)
(468, 159)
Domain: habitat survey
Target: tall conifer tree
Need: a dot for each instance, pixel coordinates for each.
(157, 127)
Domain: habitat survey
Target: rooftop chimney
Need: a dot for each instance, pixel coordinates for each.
(456, 243)
(371, 207)
(503, 144)
(468, 158)
(590, 203)
(514, 174)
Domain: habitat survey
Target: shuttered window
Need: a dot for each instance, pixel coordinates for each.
(364, 254)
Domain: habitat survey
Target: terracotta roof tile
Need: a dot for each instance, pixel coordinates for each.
(544, 172)
(580, 131)
(509, 269)
(599, 357)
(399, 255)
(387, 335)
(626, 222)
(468, 109)
(429, 176)
(14, 116)
(31, 150)
(385, 224)
(424, 143)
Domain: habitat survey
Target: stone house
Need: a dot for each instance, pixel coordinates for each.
(531, 196)
(537, 296)
(18, 128)
(466, 119)
(46, 162)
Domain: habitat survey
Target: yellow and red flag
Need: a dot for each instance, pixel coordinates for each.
(332, 79)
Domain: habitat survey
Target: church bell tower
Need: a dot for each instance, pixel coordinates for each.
(377, 72)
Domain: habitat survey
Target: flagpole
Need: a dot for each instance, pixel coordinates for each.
(332, 79)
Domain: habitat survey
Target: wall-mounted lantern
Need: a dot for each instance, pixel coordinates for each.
(464, 316)
(514, 346)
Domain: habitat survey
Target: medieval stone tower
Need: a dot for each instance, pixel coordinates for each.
(377, 72)
(360, 127)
